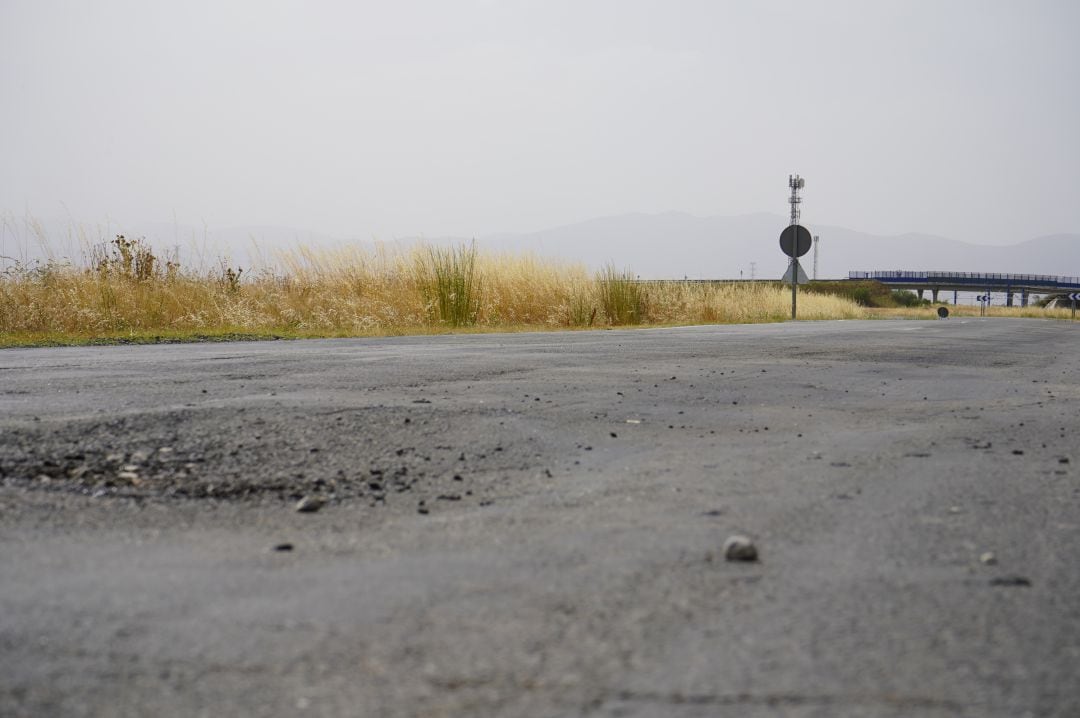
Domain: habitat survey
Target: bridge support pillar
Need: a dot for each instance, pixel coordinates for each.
(955, 297)
(933, 293)
(919, 292)
(1008, 298)
(1023, 297)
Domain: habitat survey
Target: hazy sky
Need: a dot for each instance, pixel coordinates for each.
(468, 117)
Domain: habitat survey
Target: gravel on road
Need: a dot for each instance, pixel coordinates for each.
(535, 524)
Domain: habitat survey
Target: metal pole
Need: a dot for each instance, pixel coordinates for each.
(1074, 309)
(794, 264)
(795, 284)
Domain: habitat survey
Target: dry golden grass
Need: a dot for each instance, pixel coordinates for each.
(742, 303)
(360, 291)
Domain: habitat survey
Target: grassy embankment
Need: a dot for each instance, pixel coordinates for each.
(965, 310)
(124, 293)
(882, 303)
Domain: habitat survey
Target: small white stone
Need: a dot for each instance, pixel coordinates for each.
(309, 504)
(988, 558)
(740, 548)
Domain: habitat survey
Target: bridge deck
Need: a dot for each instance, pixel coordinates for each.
(971, 280)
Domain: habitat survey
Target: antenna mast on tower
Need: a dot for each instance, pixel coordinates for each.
(796, 183)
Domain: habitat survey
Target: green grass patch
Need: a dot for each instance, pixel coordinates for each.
(865, 293)
(451, 284)
(623, 299)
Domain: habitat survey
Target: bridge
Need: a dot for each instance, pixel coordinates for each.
(972, 282)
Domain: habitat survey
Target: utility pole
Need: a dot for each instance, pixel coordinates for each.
(817, 241)
(796, 183)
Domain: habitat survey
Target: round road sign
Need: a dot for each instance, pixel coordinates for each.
(942, 312)
(795, 240)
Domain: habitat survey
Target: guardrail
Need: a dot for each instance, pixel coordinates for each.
(973, 278)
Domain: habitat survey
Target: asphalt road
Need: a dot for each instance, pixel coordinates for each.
(532, 525)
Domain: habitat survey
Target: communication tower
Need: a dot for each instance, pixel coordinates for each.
(796, 183)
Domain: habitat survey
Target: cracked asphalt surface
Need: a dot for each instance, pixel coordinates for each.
(531, 524)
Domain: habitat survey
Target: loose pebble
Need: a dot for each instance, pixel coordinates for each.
(740, 548)
(310, 504)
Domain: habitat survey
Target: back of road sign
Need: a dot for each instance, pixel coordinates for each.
(801, 277)
(795, 240)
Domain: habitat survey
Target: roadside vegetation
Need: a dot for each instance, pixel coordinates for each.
(967, 310)
(882, 303)
(123, 291)
(869, 293)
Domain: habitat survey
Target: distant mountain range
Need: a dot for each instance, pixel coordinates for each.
(654, 246)
(674, 245)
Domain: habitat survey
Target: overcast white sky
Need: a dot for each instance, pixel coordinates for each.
(960, 118)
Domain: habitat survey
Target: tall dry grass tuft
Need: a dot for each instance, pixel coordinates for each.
(526, 290)
(124, 289)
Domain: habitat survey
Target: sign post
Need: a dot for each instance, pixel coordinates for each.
(1074, 297)
(795, 242)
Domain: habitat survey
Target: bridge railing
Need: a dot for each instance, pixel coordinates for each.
(965, 277)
